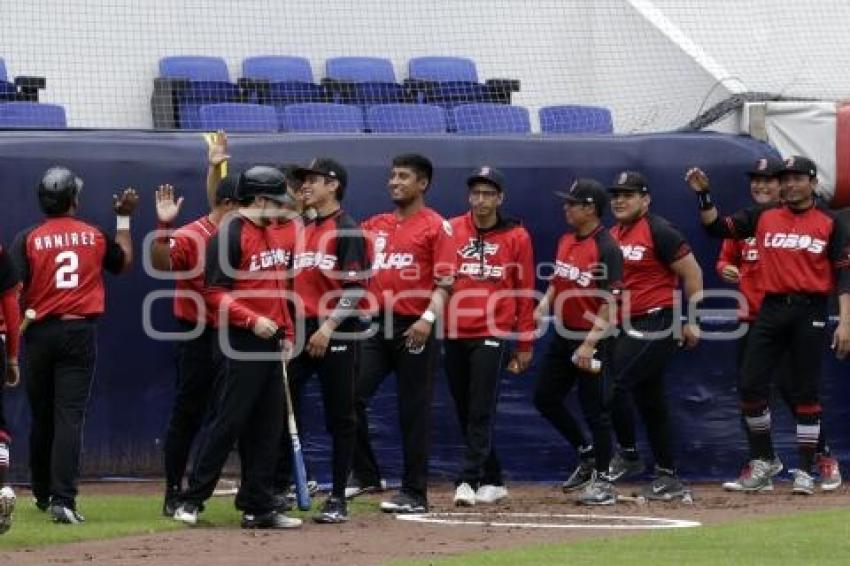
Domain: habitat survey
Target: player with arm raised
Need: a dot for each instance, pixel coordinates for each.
(183, 250)
(61, 261)
(803, 257)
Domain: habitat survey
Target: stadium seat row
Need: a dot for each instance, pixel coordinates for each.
(479, 118)
(188, 82)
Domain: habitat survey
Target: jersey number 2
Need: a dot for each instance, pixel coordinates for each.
(67, 276)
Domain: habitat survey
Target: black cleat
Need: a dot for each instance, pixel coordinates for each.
(334, 510)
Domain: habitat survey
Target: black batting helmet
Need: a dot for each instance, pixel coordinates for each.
(264, 181)
(57, 190)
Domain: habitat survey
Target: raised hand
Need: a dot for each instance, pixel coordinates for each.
(125, 203)
(167, 208)
(217, 153)
(697, 179)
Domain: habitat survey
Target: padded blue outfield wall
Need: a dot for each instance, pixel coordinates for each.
(131, 399)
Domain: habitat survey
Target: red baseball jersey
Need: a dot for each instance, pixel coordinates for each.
(744, 255)
(649, 245)
(408, 256)
(61, 263)
(188, 250)
(10, 316)
(332, 258)
(492, 263)
(243, 256)
(799, 251)
(590, 263)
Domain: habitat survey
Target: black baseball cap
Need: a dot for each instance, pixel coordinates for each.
(226, 188)
(766, 167)
(586, 191)
(629, 181)
(800, 164)
(326, 167)
(487, 174)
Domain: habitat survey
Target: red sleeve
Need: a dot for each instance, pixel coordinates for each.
(12, 316)
(730, 254)
(182, 252)
(237, 313)
(445, 253)
(525, 283)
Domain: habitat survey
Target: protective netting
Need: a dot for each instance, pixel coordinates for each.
(344, 66)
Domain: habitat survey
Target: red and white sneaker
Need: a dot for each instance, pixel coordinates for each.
(830, 473)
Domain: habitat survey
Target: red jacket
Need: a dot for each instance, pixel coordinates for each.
(744, 255)
(491, 266)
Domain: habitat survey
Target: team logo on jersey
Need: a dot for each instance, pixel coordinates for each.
(633, 253)
(318, 260)
(750, 252)
(268, 259)
(573, 273)
(475, 247)
(380, 242)
(794, 242)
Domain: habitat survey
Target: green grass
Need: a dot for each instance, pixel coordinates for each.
(110, 516)
(821, 537)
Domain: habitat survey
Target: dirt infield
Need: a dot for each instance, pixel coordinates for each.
(378, 538)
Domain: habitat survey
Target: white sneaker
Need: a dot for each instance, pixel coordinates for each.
(226, 487)
(491, 493)
(187, 513)
(464, 496)
(7, 507)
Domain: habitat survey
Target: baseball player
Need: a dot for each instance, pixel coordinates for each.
(655, 257)
(183, 251)
(298, 213)
(330, 271)
(738, 264)
(413, 270)
(492, 300)
(244, 287)
(11, 320)
(61, 261)
(588, 261)
(803, 257)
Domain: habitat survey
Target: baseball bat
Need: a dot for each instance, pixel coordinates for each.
(302, 494)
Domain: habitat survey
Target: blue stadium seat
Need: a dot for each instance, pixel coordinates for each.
(575, 119)
(364, 81)
(490, 118)
(278, 69)
(449, 81)
(191, 82)
(406, 118)
(443, 69)
(279, 80)
(360, 69)
(322, 117)
(194, 68)
(236, 117)
(32, 115)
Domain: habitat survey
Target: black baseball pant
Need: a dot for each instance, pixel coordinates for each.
(474, 370)
(639, 358)
(336, 373)
(380, 355)
(558, 376)
(250, 410)
(60, 361)
(198, 364)
(796, 324)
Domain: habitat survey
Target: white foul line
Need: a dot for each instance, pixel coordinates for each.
(641, 523)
